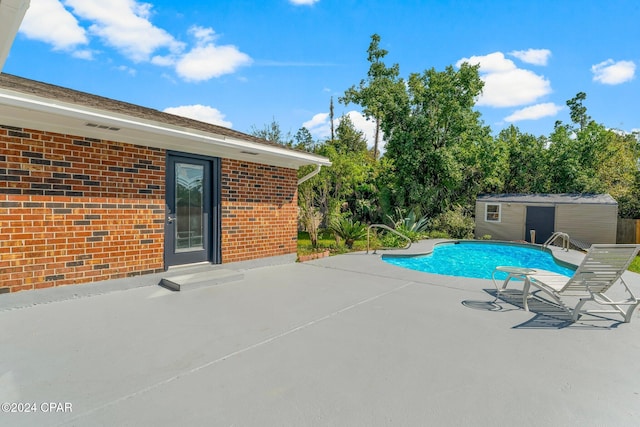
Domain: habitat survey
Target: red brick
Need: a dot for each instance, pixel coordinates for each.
(261, 222)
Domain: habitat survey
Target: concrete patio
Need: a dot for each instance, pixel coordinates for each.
(343, 341)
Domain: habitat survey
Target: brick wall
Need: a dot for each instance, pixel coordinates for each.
(76, 210)
(259, 210)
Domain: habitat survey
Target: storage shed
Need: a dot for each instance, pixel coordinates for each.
(588, 218)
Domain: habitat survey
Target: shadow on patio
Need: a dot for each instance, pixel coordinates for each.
(547, 315)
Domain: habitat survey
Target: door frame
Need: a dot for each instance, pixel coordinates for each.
(213, 222)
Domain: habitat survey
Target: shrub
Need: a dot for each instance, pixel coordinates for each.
(348, 230)
(387, 239)
(311, 218)
(455, 223)
(436, 234)
(411, 234)
(409, 222)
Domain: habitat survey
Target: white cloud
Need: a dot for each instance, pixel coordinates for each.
(206, 60)
(199, 112)
(303, 2)
(534, 112)
(320, 126)
(506, 85)
(513, 88)
(610, 72)
(532, 56)
(50, 22)
(491, 63)
(82, 54)
(125, 25)
(128, 70)
(367, 127)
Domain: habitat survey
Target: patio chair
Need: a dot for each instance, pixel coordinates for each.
(600, 269)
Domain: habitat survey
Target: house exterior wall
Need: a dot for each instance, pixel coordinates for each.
(76, 210)
(259, 211)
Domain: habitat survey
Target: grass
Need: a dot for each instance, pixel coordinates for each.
(326, 241)
(635, 265)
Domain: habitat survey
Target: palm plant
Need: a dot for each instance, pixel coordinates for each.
(348, 230)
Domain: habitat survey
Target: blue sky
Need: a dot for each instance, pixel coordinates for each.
(242, 64)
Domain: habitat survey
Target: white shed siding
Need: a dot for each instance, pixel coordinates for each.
(589, 218)
(589, 223)
(510, 227)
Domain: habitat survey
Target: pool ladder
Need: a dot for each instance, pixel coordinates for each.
(566, 241)
(386, 227)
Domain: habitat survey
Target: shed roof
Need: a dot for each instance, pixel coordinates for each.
(37, 105)
(564, 198)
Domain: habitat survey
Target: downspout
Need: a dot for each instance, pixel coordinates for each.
(315, 172)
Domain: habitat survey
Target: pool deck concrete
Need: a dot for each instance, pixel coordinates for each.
(343, 341)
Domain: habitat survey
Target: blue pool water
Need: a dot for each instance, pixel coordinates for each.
(478, 260)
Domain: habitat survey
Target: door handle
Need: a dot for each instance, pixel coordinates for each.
(171, 219)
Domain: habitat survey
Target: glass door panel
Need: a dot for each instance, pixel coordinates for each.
(189, 227)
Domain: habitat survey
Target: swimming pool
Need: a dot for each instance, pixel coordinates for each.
(478, 259)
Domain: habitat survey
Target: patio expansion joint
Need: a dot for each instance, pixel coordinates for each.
(239, 352)
(425, 281)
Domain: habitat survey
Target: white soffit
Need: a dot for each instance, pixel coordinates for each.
(31, 112)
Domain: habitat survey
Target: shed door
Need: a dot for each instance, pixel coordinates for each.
(542, 219)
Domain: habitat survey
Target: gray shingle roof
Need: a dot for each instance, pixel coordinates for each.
(83, 99)
(549, 198)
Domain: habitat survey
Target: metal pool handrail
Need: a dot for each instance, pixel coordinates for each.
(556, 235)
(386, 227)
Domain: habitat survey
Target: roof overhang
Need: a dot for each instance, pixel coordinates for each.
(33, 112)
(549, 198)
(11, 14)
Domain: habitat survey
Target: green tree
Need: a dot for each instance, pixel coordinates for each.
(303, 140)
(526, 164)
(586, 157)
(343, 188)
(436, 139)
(617, 169)
(272, 132)
(348, 138)
(577, 111)
(376, 93)
(331, 118)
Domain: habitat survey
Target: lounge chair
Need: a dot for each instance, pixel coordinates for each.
(601, 268)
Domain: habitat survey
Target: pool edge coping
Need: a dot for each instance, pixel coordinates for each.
(570, 259)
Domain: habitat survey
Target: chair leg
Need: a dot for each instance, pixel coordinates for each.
(604, 300)
(576, 311)
(630, 310)
(525, 293)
